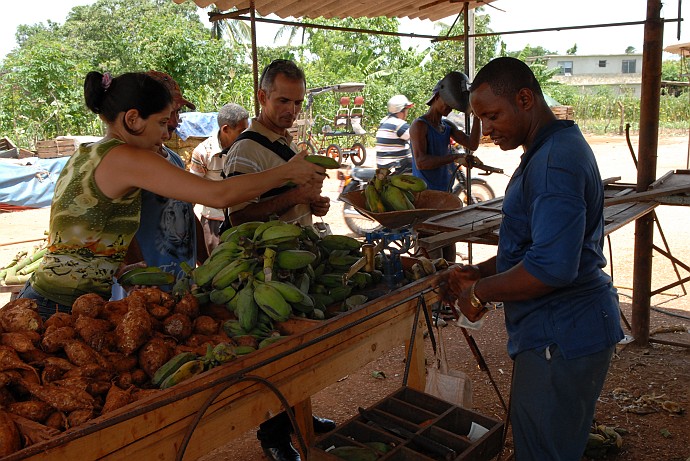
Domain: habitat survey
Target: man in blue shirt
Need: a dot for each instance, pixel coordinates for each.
(561, 310)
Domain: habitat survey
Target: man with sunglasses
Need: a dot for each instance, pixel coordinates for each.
(266, 144)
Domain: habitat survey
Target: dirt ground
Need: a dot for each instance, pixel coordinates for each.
(639, 380)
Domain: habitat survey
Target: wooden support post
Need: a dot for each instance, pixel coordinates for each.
(417, 376)
(303, 415)
(255, 63)
(646, 172)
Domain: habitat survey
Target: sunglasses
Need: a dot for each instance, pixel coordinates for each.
(275, 63)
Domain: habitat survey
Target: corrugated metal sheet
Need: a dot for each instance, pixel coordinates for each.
(420, 9)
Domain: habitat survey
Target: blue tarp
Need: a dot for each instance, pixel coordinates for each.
(197, 124)
(29, 182)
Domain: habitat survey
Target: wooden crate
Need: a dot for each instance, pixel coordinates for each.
(437, 430)
(58, 147)
(9, 150)
(299, 366)
(184, 148)
(563, 112)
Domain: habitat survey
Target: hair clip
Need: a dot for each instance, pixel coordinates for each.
(106, 81)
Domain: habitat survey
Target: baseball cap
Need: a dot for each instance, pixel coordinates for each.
(398, 103)
(172, 86)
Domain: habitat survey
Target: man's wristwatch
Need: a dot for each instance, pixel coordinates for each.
(474, 300)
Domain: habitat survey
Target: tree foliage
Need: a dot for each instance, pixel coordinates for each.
(41, 80)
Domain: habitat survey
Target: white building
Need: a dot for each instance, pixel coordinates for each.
(621, 72)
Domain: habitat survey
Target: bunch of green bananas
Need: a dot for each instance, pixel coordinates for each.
(387, 192)
(186, 365)
(269, 271)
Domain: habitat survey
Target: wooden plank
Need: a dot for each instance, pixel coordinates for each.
(621, 218)
(445, 238)
(648, 195)
(672, 178)
(479, 223)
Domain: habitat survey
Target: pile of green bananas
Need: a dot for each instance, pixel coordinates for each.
(273, 270)
(387, 192)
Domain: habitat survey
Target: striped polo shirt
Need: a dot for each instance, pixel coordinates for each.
(392, 138)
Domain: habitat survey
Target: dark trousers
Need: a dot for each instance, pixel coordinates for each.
(275, 431)
(553, 402)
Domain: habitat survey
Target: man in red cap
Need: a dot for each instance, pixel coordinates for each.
(169, 232)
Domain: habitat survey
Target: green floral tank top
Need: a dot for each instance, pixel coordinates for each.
(89, 232)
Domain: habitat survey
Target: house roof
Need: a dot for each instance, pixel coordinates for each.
(682, 49)
(420, 9)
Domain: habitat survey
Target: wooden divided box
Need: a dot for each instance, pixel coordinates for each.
(58, 147)
(414, 426)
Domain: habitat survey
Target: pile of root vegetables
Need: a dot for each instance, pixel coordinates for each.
(58, 374)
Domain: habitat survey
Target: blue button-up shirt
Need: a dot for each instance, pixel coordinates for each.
(553, 223)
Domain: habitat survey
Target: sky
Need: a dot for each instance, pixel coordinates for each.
(515, 15)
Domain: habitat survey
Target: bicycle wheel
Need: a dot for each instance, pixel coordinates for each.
(333, 151)
(306, 145)
(358, 154)
(358, 223)
(481, 192)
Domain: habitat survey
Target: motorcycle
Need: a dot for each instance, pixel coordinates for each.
(358, 178)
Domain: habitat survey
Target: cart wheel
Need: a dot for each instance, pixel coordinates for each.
(358, 154)
(333, 151)
(306, 145)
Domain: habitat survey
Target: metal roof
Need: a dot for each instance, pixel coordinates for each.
(682, 49)
(420, 9)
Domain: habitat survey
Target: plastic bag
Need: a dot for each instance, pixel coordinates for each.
(451, 385)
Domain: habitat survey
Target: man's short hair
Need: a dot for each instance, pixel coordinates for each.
(280, 66)
(232, 115)
(506, 77)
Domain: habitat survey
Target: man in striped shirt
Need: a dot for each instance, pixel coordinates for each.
(393, 135)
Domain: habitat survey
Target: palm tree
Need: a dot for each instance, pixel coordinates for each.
(237, 31)
(292, 31)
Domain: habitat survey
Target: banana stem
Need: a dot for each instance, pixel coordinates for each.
(29, 268)
(29, 259)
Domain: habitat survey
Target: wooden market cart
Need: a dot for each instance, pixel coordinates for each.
(238, 393)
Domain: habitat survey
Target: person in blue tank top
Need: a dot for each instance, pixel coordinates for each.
(430, 137)
(169, 232)
(561, 309)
